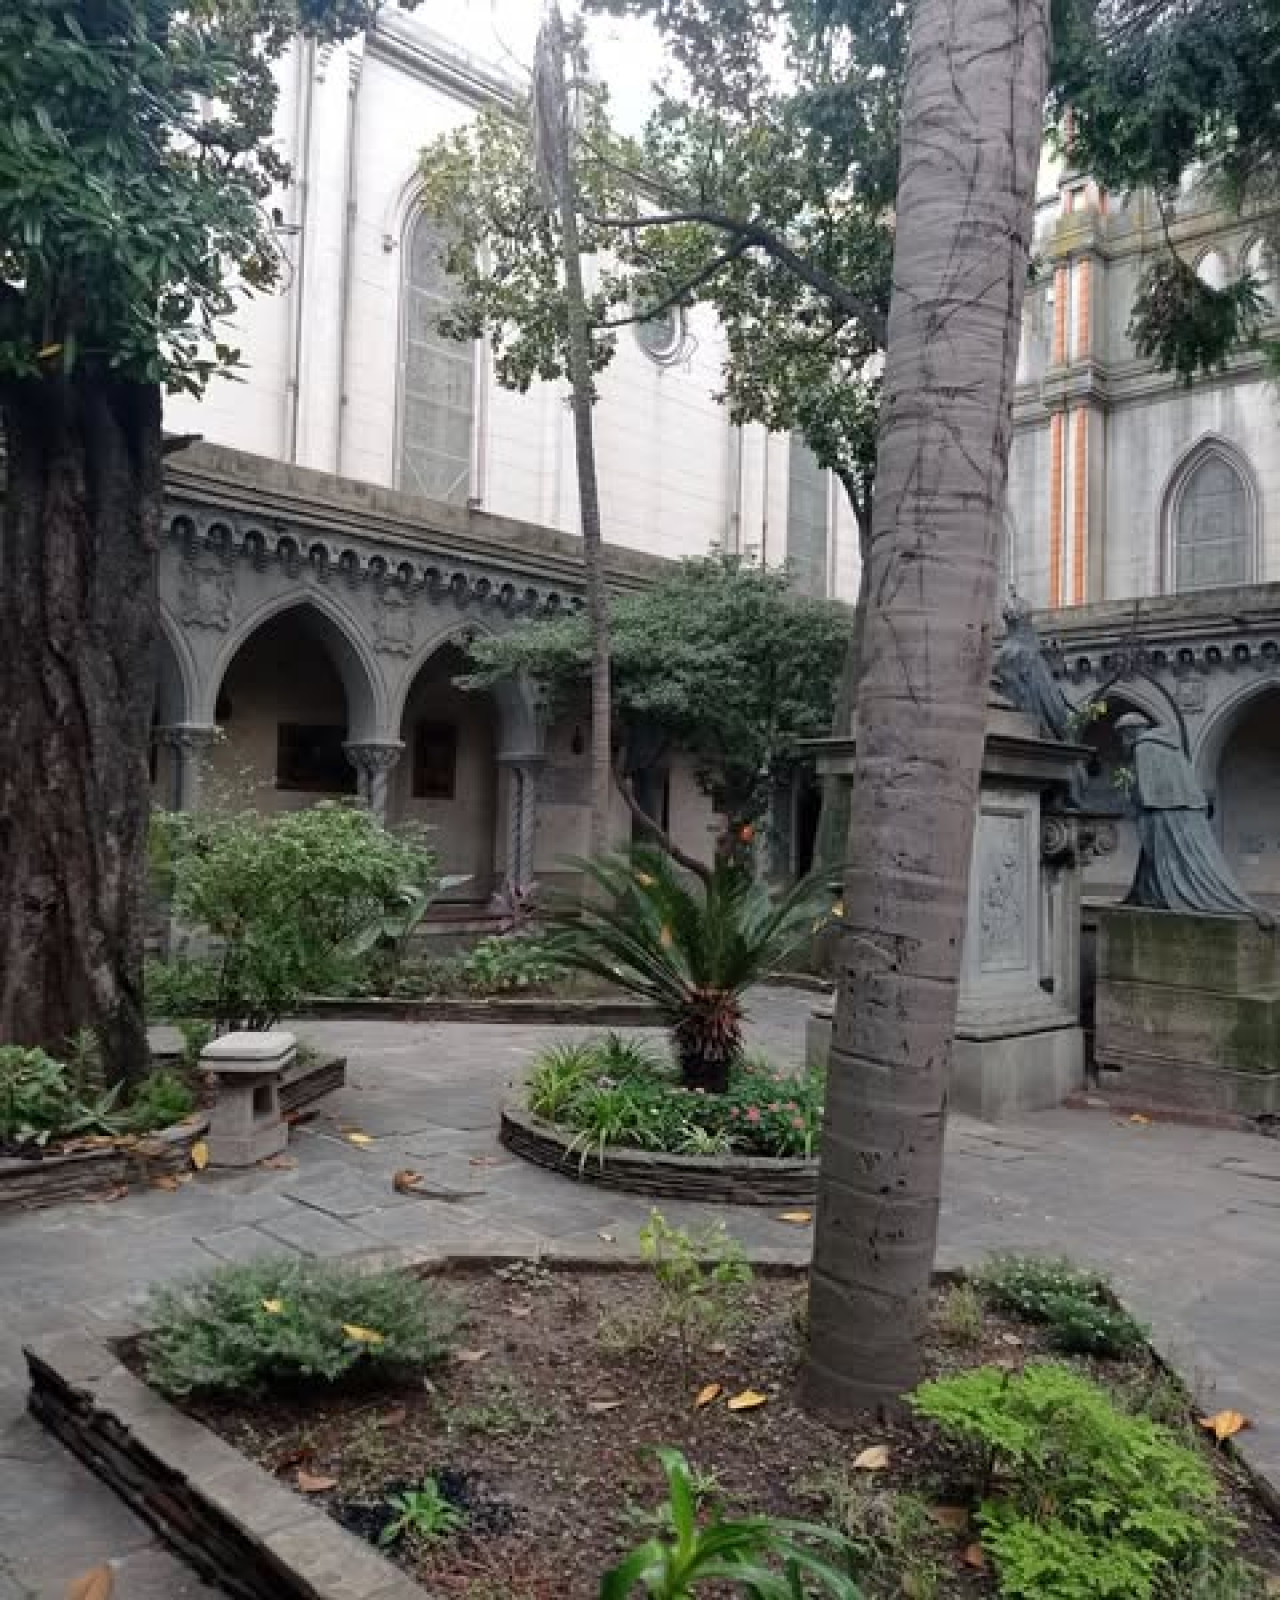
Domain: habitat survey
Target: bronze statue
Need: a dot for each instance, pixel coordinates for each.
(1181, 866)
(1023, 676)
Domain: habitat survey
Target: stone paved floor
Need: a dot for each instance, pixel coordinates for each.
(1186, 1220)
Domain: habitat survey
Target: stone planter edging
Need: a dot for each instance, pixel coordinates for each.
(733, 1179)
(227, 1517)
(532, 1010)
(88, 1174)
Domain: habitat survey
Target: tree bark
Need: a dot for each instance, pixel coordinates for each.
(833, 817)
(79, 623)
(554, 124)
(971, 131)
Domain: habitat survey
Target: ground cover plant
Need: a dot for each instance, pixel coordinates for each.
(545, 1455)
(613, 1091)
(48, 1104)
(1076, 1305)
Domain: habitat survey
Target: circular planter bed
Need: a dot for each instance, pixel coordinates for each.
(736, 1179)
(55, 1176)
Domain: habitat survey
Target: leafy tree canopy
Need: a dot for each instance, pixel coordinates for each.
(722, 659)
(135, 166)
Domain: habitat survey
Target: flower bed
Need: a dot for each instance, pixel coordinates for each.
(526, 1467)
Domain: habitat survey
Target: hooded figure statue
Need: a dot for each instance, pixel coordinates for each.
(1181, 866)
(1022, 674)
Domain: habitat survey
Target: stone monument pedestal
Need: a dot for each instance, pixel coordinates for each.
(1188, 1010)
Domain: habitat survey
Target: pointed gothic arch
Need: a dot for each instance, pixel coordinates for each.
(1210, 521)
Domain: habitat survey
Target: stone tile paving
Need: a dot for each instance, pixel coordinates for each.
(1186, 1220)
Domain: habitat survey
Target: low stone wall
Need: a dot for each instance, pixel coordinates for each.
(27, 1185)
(236, 1525)
(527, 1010)
(308, 1081)
(736, 1180)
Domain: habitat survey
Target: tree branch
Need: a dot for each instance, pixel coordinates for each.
(755, 236)
(659, 833)
(677, 296)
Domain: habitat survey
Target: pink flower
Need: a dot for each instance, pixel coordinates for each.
(797, 1122)
(791, 1106)
(733, 1111)
(775, 1106)
(753, 1114)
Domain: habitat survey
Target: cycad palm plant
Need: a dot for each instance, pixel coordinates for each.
(690, 945)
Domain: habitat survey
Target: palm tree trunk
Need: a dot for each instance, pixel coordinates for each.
(554, 126)
(970, 149)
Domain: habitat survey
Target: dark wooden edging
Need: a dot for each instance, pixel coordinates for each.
(602, 1013)
(233, 1522)
(86, 1174)
(737, 1180)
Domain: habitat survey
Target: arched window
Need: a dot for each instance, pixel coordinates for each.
(437, 378)
(1212, 535)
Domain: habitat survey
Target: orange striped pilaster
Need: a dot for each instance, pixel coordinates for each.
(1055, 508)
(1083, 297)
(1061, 306)
(1079, 502)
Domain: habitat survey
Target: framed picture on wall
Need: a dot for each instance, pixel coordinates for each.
(435, 761)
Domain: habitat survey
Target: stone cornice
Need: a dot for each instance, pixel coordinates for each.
(1218, 630)
(265, 511)
(434, 59)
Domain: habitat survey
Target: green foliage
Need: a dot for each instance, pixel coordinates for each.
(135, 160)
(960, 1317)
(611, 1092)
(284, 896)
(1188, 327)
(508, 964)
(899, 1551)
(763, 1558)
(721, 659)
(1093, 1503)
(505, 1412)
(242, 1328)
(159, 1101)
(39, 1102)
(702, 1278)
(426, 1514)
(1077, 1305)
(690, 946)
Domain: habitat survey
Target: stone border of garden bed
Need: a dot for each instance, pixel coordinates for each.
(28, 1185)
(530, 1010)
(736, 1180)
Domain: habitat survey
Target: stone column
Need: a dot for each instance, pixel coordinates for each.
(522, 817)
(374, 761)
(189, 744)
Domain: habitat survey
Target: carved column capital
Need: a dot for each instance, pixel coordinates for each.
(190, 743)
(374, 761)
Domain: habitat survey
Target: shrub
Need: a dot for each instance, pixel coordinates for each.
(507, 965)
(960, 1316)
(289, 900)
(613, 1092)
(159, 1101)
(1094, 1504)
(244, 1327)
(1075, 1304)
(692, 945)
(39, 1102)
(702, 1279)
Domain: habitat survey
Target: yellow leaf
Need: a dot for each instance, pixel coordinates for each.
(1224, 1424)
(708, 1393)
(795, 1216)
(665, 937)
(167, 1182)
(96, 1584)
(646, 880)
(1139, 1119)
(312, 1483)
(359, 1335)
(356, 1137)
(875, 1458)
(275, 1307)
(48, 351)
(199, 1155)
(748, 1400)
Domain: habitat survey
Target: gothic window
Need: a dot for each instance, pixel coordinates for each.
(437, 379)
(807, 520)
(310, 757)
(1213, 537)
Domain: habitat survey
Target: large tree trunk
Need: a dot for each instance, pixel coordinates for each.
(555, 130)
(971, 130)
(833, 817)
(78, 620)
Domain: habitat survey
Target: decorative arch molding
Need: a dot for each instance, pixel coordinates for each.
(341, 635)
(1208, 449)
(520, 715)
(1222, 722)
(176, 674)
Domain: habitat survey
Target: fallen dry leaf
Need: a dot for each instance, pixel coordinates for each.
(596, 1407)
(954, 1518)
(406, 1181)
(470, 1356)
(520, 1311)
(354, 1136)
(167, 1182)
(279, 1163)
(314, 1483)
(1011, 1338)
(359, 1335)
(718, 1349)
(200, 1155)
(96, 1584)
(875, 1458)
(274, 1307)
(748, 1400)
(1225, 1424)
(292, 1458)
(795, 1216)
(118, 1193)
(975, 1556)
(1139, 1119)
(708, 1393)
(393, 1418)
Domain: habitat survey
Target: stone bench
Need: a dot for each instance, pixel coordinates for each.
(247, 1125)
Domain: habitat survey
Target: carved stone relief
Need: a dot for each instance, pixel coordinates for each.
(393, 625)
(1003, 911)
(206, 590)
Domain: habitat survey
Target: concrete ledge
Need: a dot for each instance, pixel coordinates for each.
(604, 1013)
(736, 1180)
(54, 1179)
(230, 1520)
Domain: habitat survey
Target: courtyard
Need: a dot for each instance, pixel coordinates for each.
(1182, 1218)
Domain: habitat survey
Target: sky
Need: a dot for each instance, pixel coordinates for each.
(625, 51)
